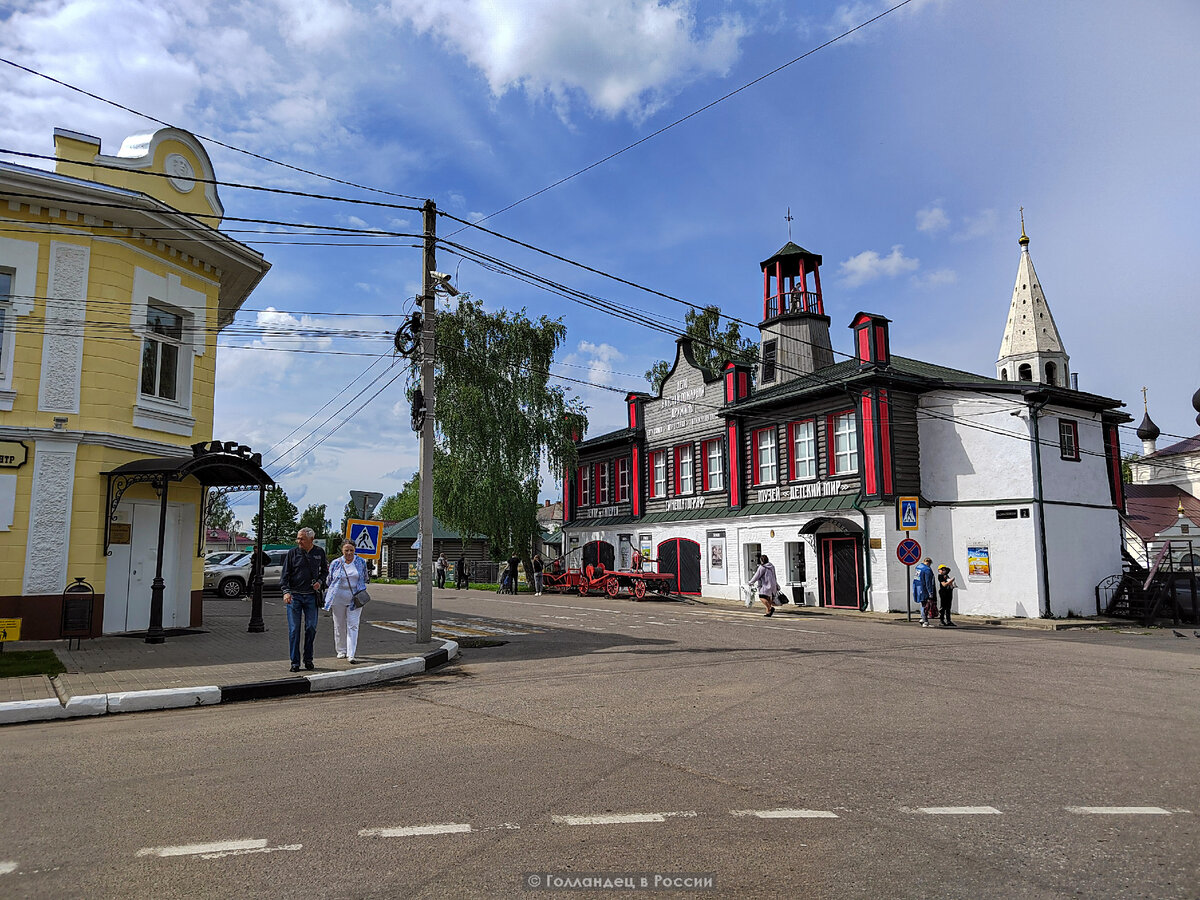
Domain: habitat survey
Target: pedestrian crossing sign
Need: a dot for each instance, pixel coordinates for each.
(908, 514)
(366, 536)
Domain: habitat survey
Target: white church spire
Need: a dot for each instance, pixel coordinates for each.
(1032, 349)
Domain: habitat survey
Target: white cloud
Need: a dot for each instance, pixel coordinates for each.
(314, 23)
(932, 218)
(981, 225)
(869, 265)
(624, 56)
(936, 278)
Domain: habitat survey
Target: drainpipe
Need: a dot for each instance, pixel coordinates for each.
(1036, 407)
(863, 601)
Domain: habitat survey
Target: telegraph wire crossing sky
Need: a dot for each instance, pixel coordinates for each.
(902, 152)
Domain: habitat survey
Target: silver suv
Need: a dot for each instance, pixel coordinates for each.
(231, 581)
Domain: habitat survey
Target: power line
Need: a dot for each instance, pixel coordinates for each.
(202, 137)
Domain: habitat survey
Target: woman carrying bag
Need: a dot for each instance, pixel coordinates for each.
(347, 576)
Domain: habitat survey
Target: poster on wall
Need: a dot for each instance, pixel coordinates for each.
(644, 547)
(979, 562)
(717, 570)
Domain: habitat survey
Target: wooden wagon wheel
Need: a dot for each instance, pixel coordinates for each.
(583, 586)
(639, 588)
(612, 587)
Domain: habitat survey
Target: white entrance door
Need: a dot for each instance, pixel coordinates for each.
(130, 573)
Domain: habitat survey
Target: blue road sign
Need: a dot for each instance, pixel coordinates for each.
(908, 551)
(365, 536)
(910, 514)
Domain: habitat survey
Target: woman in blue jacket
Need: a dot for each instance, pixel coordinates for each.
(347, 574)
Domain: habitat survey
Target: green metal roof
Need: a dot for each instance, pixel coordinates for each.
(409, 528)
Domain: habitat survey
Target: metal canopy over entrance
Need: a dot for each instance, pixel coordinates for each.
(227, 466)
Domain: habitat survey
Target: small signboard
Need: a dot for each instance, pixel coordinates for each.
(12, 454)
(908, 552)
(10, 629)
(366, 536)
(908, 513)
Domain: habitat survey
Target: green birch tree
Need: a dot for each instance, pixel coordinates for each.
(713, 346)
(498, 422)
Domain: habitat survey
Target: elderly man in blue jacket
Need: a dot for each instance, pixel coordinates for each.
(303, 577)
(924, 588)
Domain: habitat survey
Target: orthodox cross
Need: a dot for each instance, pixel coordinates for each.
(1145, 405)
(788, 217)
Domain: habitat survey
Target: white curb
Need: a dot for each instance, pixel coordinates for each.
(168, 698)
(31, 710)
(88, 705)
(332, 681)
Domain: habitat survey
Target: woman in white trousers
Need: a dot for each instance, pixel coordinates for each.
(347, 574)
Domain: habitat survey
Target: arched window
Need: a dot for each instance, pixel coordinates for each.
(1004, 374)
(1025, 373)
(1051, 373)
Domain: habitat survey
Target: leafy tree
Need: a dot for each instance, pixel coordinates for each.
(713, 347)
(280, 518)
(1126, 471)
(350, 512)
(219, 514)
(404, 504)
(498, 421)
(314, 517)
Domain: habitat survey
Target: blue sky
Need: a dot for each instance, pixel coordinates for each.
(904, 153)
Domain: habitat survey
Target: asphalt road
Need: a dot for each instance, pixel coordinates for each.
(791, 756)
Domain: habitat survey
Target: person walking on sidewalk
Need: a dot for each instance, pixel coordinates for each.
(460, 573)
(768, 587)
(946, 588)
(303, 576)
(925, 590)
(513, 562)
(441, 570)
(537, 574)
(347, 575)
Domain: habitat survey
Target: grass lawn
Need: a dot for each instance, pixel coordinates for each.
(14, 663)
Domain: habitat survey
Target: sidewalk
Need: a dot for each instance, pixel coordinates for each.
(219, 661)
(900, 618)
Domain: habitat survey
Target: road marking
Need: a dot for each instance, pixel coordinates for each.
(198, 849)
(786, 813)
(225, 853)
(620, 818)
(959, 810)
(416, 830)
(1118, 810)
(7, 868)
(449, 628)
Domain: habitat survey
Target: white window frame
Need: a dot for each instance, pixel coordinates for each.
(585, 485)
(715, 460)
(658, 473)
(686, 469)
(160, 341)
(20, 260)
(602, 497)
(622, 479)
(843, 444)
(1068, 447)
(766, 456)
(169, 294)
(804, 449)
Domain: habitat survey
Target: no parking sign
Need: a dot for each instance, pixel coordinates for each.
(908, 552)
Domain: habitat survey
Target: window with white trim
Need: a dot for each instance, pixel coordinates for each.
(601, 483)
(658, 473)
(622, 479)
(585, 485)
(685, 481)
(6, 318)
(804, 450)
(843, 439)
(714, 472)
(766, 469)
(1068, 439)
(161, 348)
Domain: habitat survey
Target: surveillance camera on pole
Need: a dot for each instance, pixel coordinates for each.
(441, 282)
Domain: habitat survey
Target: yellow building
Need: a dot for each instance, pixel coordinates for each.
(114, 284)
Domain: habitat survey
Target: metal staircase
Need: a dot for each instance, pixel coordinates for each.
(1155, 583)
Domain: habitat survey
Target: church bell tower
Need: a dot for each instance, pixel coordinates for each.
(1032, 349)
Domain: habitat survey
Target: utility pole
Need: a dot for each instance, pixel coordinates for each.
(425, 497)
